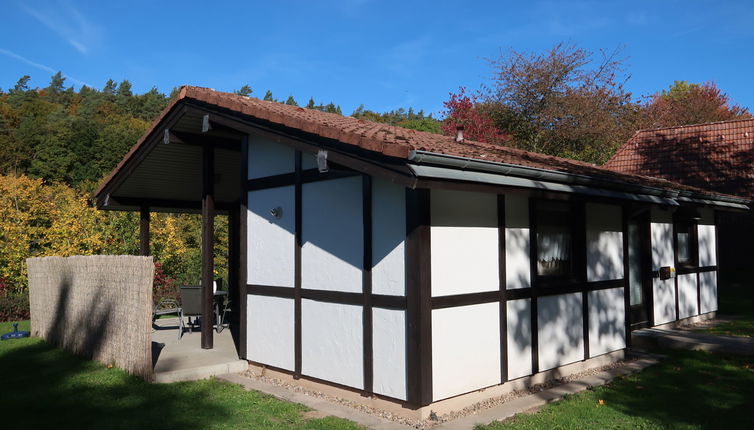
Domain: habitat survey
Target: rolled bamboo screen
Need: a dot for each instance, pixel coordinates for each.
(98, 306)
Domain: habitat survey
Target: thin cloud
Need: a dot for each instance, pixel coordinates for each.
(39, 66)
(68, 22)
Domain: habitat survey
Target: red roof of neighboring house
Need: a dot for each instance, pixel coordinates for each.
(383, 138)
(716, 156)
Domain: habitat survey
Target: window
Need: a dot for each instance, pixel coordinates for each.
(686, 243)
(555, 226)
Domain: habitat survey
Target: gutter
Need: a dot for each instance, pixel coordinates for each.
(441, 166)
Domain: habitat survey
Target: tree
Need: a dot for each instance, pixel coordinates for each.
(563, 102)
(22, 85)
(688, 103)
(268, 96)
(291, 101)
(463, 110)
(244, 91)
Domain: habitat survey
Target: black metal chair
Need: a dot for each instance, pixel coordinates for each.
(166, 306)
(191, 304)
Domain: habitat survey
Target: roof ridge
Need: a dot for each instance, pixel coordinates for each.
(700, 124)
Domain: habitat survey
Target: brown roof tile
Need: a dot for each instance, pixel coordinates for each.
(389, 140)
(715, 156)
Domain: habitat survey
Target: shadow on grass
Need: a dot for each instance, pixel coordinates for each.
(690, 389)
(44, 387)
(686, 390)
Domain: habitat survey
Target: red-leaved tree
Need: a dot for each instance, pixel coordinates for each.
(688, 103)
(466, 111)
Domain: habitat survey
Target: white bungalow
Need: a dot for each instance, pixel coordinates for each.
(415, 268)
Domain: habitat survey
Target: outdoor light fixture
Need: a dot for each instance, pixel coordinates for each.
(277, 212)
(322, 161)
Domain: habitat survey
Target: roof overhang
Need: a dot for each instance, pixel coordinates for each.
(163, 170)
(436, 166)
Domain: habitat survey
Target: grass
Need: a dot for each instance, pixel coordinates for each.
(736, 300)
(688, 390)
(45, 387)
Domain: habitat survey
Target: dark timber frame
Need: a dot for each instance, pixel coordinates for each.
(208, 240)
(144, 230)
(419, 296)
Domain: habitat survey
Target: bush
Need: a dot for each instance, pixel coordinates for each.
(14, 306)
(164, 286)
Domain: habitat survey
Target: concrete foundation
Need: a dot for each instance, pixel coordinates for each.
(445, 406)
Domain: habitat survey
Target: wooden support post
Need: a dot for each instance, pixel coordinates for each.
(208, 239)
(144, 231)
(419, 297)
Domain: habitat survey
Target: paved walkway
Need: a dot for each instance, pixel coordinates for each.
(651, 338)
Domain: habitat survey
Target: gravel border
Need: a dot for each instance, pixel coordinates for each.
(428, 423)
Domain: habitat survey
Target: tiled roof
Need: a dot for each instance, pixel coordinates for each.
(717, 156)
(387, 139)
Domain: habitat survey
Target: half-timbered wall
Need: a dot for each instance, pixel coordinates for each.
(325, 265)
(489, 321)
(694, 289)
(421, 295)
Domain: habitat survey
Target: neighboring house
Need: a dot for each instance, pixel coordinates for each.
(716, 156)
(416, 267)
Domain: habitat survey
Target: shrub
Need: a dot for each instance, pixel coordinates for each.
(14, 306)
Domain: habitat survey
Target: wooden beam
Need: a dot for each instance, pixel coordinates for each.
(243, 216)
(208, 239)
(366, 196)
(502, 283)
(144, 230)
(166, 203)
(297, 270)
(419, 297)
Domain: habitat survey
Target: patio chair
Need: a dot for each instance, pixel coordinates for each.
(191, 303)
(167, 306)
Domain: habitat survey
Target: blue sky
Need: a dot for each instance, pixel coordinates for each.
(384, 54)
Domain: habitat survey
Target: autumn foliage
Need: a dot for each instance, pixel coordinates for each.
(464, 110)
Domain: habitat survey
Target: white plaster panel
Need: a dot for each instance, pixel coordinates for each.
(331, 342)
(270, 331)
(271, 242)
(604, 240)
(519, 338)
(607, 321)
(561, 334)
(267, 158)
(388, 238)
(332, 231)
(517, 259)
(707, 245)
(465, 349)
(389, 352)
(687, 304)
(664, 300)
(708, 285)
(662, 245)
(464, 244)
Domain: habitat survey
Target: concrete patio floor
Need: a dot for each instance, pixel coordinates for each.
(185, 360)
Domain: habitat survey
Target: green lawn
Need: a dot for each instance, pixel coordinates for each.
(43, 387)
(687, 390)
(736, 299)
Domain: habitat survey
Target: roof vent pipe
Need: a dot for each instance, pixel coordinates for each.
(459, 133)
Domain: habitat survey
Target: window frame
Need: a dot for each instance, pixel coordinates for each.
(577, 224)
(686, 223)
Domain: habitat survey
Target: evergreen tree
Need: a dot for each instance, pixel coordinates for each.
(291, 101)
(244, 91)
(268, 96)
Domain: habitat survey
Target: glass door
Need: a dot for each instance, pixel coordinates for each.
(638, 271)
